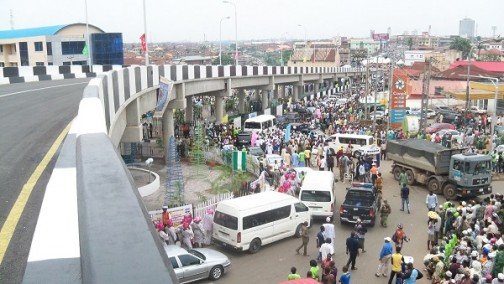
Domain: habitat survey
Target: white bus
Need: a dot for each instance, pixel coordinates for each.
(249, 222)
(344, 140)
(260, 123)
(317, 192)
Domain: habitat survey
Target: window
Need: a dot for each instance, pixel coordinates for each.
(187, 260)
(107, 48)
(13, 49)
(2, 64)
(1, 48)
(300, 207)
(174, 262)
(49, 48)
(72, 47)
(49, 63)
(253, 125)
(39, 46)
(316, 196)
(39, 63)
(226, 220)
(266, 217)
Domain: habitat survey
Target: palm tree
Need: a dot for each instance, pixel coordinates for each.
(461, 44)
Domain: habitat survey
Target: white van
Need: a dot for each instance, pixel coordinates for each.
(249, 222)
(317, 192)
(260, 123)
(339, 140)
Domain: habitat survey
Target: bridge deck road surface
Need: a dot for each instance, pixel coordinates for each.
(273, 262)
(32, 116)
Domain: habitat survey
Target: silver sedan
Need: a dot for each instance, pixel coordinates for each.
(196, 264)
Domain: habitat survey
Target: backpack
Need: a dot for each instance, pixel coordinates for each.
(420, 275)
(394, 237)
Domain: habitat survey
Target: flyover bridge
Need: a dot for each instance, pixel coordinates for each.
(93, 227)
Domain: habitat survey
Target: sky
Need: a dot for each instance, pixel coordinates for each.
(195, 20)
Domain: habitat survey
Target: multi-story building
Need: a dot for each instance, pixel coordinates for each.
(443, 59)
(369, 44)
(59, 45)
(315, 54)
(467, 28)
(412, 56)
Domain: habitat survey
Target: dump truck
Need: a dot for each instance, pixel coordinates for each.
(450, 172)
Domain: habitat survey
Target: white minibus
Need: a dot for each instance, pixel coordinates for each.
(249, 222)
(259, 123)
(344, 140)
(317, 192)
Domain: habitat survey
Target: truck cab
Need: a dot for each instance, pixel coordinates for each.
(470, 175)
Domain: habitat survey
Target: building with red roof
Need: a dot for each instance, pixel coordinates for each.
(489, 66)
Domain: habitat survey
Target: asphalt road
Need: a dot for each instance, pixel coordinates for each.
(273, 262)
(33, 115)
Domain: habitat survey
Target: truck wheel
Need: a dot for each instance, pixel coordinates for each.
(255, 246)
(434, 186)
(397, 172)
(450, 192)
(410, 176)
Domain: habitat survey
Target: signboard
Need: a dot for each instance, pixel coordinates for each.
(237, 122)
(176, 214)
(287, 134)
(267, 111)
(398, 100)
(397, 115)
(380, 37)
(165, 87)
(279, 110)
(239, 160)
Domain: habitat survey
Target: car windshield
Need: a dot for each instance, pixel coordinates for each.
(197, 254)
(315, 196)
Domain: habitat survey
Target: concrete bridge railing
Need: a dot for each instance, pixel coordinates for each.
(93, 226)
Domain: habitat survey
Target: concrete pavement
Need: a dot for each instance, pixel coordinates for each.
(272, 264)
(33, 115)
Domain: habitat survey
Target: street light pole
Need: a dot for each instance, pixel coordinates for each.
(146, 36)
(87, 40)
(220, 39)
(306, 42)
(236, 30)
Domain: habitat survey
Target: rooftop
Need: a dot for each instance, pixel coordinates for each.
(492, 66)
(40, 31)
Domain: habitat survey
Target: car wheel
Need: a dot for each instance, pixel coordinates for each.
(397, 172)
(410, 176)
(297, 234)
(450, 192)
(255, 245)
(434, 186)
(216, 272)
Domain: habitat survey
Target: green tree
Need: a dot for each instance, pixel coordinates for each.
(461, 44)
(409, 43)
(226, 60)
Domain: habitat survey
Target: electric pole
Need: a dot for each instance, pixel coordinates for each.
(425, 95)
(366, 110)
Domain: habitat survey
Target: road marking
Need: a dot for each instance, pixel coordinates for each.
(12, 220)
(39, 89)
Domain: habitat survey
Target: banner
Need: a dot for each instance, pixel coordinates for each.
(239, 160)
(165, 87)
(143, 42)
(237, 122)
(287, 134)
(176, 214)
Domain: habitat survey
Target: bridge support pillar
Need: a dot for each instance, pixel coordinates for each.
(168, 124)
(219, 107)
(241, 101)
(295, 92)
(316, 88)
(265, 99)
(189, 110)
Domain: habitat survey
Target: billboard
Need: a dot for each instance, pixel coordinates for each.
(165, 87)
(380, 37)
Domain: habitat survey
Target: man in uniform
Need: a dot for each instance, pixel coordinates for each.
(384, 213)
(305, 238)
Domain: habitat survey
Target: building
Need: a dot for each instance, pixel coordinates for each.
(467, 28)
(59, 45)
(443, 59)
(195, 60)
(412, 56)
(371, 45)
(315, 54)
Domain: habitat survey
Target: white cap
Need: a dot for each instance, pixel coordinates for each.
(464, 203)
(388, 239)
(448, 273)
(474, 253)
(328, 219)
(492, 255)
(500, 276)
(165, 207)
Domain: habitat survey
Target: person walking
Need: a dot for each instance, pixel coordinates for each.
(320, 241)
(304, 237)
(385, 211)
(329, 230)
(345, 277)
(399, 236)
(374, 173)
(361, 231)
(385, 255)
(397, 260)
(405, 198)
(352, 248)
(431, 201)
(326, 249)
(403, 178)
